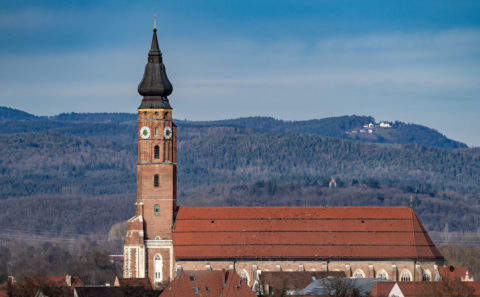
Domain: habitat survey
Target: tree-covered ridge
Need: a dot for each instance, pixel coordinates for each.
(59, 163)
(337, 127)
(54, 162)
(288, 157)
(12, 114)
(69, 169)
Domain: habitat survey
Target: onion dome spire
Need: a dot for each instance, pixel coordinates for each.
(155, 86)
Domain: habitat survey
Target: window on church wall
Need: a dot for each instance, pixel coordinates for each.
(156, 181)
(156, 152)
(156, 131)
(405, 276)
(427, 275)
(244, 276)
(382, 274)
(359, 274)
(157, 268)
(156, 210)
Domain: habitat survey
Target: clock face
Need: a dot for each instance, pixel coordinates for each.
(145, 132)
(167, 132)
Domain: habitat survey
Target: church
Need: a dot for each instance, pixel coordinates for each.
(163, 239)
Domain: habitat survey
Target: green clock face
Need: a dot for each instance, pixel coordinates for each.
(145, 132)
(167, 132)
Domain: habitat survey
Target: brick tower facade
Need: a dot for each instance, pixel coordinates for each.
(148, 250)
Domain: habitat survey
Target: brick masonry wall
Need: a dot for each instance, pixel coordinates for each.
(370, 268)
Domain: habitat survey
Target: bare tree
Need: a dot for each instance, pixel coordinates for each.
(341, 287)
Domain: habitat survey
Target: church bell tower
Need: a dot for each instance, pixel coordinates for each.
(148, 249)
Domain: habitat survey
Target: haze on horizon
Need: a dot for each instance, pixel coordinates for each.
(413, 61)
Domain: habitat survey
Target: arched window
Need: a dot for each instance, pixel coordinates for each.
(359, 274)
(156, 181)
(156, 152)
(157, 268)
(382, 274)
(156, 210)
(427, 275)
(405, 276)
(244, 276)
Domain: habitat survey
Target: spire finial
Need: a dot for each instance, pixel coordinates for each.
(155, 21)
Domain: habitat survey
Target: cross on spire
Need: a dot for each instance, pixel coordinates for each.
(155, 21)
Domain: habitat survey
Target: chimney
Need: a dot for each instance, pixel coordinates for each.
(179, 270)
(68, 280)
(139, 208)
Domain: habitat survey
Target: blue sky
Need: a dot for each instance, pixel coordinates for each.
(413, 61)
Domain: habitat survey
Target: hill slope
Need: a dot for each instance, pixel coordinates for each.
(47, 162)
(337, 127)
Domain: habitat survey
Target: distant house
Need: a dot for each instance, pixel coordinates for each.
(41, 286)
(384, 124)
(106, 291)
(98, 291)
(224, 283)
(332, 183)
(454, 273)
(121, 287)
(133, 282)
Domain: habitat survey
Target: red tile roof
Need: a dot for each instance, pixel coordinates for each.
(453, 273)
(427, 289)
(32, 284)
(208, 283)
(301, 232)
(134, 282)
(381, 289)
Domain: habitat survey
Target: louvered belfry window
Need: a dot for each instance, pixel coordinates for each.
(156, 181)
(156, 152)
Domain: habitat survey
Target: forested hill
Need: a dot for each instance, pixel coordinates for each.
(77, 171)
(344, 127)
(11, 114)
